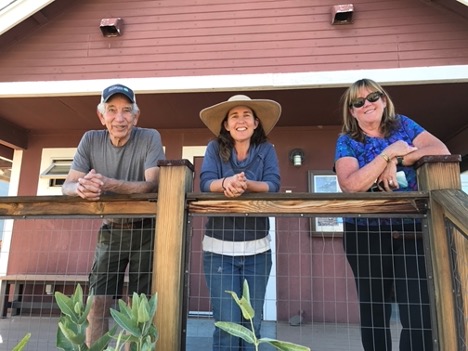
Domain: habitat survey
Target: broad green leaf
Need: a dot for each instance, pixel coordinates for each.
(237, 330)
(135, 305)
(71, 335)
(148, 346)
(65, 304)
(284, 345)
(78, 308)
(68, 323)
(143, 315)
(244, 304)
(77, 297)
(63, 343)
(83, 320)
(124, 308)
(246, 291)
(20, 346)
(103, 341)
(126, 323)
(247, 310)
(127, 338)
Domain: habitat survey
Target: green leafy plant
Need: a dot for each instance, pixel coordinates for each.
(135, 321)
(20, 346)
(71, 332)
(249, 335)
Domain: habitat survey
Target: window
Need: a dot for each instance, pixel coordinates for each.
(57, 169)
(55, 164)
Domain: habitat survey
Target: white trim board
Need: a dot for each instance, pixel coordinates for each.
(242, 82)
(16, 11)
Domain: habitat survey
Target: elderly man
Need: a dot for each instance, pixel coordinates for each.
(121, 159)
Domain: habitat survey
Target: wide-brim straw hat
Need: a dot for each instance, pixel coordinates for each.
(267, 111)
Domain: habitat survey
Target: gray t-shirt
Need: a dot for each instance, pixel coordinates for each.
(128, 162)
(95, 151)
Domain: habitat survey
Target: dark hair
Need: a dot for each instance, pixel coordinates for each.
(389, 121)
(226, 142)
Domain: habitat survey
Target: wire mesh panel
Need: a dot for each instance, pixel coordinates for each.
(313, 284)
(314, 299)
(459, 256)
(40, 257)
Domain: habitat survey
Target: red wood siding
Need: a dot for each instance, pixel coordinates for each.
(186, 38)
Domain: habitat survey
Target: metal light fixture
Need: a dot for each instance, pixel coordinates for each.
(296, 156)
(342, 14)
(111, 27)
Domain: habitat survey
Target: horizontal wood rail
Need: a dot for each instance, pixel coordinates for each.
(65, 206)
(337, 204)
(455, 204)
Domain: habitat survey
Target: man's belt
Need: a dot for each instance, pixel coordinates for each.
(131, 224)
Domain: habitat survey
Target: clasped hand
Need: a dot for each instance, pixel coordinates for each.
(387, 180)
(91, 186)
(235, 185)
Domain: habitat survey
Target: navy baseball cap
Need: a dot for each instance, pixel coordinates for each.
(117, 89)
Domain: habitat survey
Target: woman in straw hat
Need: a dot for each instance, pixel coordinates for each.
(239, 160)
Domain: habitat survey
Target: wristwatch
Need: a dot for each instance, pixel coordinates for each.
(399, 160)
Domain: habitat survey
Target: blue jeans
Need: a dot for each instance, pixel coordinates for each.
(228, 273)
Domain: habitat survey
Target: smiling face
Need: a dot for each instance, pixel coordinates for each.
(241, 123)
(119, 118)
(370, 114)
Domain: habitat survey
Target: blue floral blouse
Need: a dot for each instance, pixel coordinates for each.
(372, 147)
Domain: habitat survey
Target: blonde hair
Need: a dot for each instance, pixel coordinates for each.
(389, 120)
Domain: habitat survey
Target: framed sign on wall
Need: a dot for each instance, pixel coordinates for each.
(324, 182)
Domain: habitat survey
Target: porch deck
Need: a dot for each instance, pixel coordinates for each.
(318, 336)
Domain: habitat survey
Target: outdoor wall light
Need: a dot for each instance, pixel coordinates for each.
(296, 156)
(111, 27)
(48, 289)
(342, 14)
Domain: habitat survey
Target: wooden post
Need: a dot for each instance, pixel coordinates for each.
(175, 180)
(434, 173)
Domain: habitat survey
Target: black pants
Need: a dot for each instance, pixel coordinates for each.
(388, 263)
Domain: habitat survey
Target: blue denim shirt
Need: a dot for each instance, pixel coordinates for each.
(261, 164)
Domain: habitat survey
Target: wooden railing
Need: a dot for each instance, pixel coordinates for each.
(442, 175)
(439, 199)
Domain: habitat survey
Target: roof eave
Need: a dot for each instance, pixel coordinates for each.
(19, 10)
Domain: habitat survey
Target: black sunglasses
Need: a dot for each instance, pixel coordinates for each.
(372, 97)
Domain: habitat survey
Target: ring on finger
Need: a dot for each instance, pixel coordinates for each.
(390, 182)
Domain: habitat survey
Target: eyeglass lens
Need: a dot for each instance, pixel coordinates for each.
(372, 97)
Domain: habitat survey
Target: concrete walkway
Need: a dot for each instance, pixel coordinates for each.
(318, 336)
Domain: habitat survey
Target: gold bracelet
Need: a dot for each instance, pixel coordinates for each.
(385, 157)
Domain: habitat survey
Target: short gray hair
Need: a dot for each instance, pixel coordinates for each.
(101, 107)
